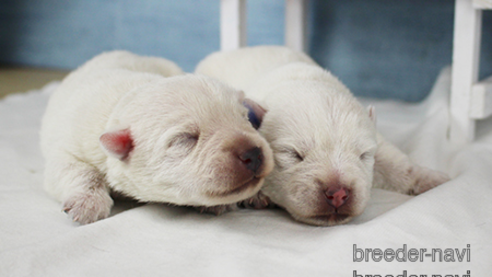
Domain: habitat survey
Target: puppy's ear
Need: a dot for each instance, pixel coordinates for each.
(256, 112)
(372, 113)
(117, 144)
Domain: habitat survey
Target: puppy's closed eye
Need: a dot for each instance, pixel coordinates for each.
(184, 140)
(296, 155)
(291, 154)
(366, 156)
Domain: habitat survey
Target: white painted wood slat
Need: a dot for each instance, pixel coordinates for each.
(482, 4)
(295, 24)
(481, 99)
(466, 46)
(232, 24)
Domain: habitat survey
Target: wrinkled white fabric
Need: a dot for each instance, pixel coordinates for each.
(37, 239)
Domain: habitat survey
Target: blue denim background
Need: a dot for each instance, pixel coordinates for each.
(378, 48)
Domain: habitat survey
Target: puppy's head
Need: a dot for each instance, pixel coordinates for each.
(186, 140)
(324, 144)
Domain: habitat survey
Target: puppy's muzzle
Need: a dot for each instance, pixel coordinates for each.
(333, 206)
(249, 168)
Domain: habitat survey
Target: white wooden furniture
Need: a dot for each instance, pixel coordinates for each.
(233, 24)
(470, 99)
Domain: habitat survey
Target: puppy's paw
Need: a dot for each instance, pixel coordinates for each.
(216, 210)
(259, 201)
(425, 179)
(89, 206)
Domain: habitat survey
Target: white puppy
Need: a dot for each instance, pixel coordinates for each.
(327, 151)
(118, 124)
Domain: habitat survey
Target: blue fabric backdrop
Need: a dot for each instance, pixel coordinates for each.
(378, 48)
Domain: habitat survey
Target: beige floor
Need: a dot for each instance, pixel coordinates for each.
(17, 79)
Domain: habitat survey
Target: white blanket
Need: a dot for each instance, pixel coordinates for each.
(38, 239)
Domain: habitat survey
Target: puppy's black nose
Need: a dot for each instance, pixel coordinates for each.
(252, 158)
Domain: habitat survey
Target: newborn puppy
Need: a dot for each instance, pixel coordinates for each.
(118, 124)
(327, 152)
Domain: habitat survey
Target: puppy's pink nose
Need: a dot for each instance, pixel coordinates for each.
(252, 158)
(337, 196)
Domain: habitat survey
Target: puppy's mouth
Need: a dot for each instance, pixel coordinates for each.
(328, 219)
(333, 218)
(248, 184)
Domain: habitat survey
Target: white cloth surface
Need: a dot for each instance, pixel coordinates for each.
(37, 239)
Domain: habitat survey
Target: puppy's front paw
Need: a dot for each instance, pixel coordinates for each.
(425, 179)
(259, 201)
(216, 210)
(89, 206)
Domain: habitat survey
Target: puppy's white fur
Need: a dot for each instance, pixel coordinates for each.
(319, 133)
(185, 133)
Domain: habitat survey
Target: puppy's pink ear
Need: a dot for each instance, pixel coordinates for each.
(117, 144)
(372, 113)
(256, 112)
